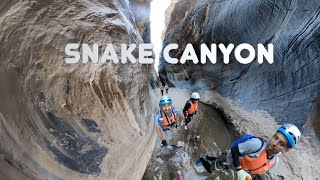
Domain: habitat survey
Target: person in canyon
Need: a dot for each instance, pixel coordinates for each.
(251, 156)
(167, 88)
(190, 108)
(166, 118)
(161, 90)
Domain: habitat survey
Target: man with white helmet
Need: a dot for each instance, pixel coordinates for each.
(251, 156)
(166, 118)
(190, 108)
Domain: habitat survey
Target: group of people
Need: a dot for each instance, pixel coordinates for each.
(249, 155)
(167, 117)
(166, 87)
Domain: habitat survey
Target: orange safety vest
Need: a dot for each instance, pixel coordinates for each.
(193, 108)
(168, 122)
(256, 165)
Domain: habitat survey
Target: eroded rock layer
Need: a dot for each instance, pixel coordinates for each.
(70, 121)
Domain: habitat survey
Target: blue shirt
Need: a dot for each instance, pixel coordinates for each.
(158, 116)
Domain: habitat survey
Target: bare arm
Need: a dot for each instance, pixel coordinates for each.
(177, 120)
(159, 133)
(185, 109)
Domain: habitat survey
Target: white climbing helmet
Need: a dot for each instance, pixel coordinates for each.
(291, 132)
(195, 95)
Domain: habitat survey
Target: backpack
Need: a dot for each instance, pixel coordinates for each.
(241, 140)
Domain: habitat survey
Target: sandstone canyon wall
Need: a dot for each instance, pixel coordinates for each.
(71, 121)
(287, 88)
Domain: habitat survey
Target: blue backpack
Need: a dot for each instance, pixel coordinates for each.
(241, 140)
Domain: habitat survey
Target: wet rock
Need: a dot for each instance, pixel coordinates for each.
(180, 143)
(159, 160)
(157, 168)
(91, 125)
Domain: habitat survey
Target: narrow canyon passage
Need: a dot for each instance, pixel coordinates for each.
(96, 120)
(206, 135)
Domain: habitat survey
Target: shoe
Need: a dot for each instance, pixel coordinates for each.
(185, 127)
(210, 158)
(205, 164)
(215, 166)
(220, 166)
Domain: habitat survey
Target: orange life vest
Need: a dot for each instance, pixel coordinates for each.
(256, 165)
(168, 121)
(193, 108)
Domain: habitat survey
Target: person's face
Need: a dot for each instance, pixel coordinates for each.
(167, 108)
(278, 143)
(194, 100)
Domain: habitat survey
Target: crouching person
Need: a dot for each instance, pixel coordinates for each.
(251, 155)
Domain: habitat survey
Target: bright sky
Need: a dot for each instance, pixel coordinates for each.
(157, 19)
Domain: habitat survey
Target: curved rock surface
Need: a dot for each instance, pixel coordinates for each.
(71, 121)
(95, 121)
